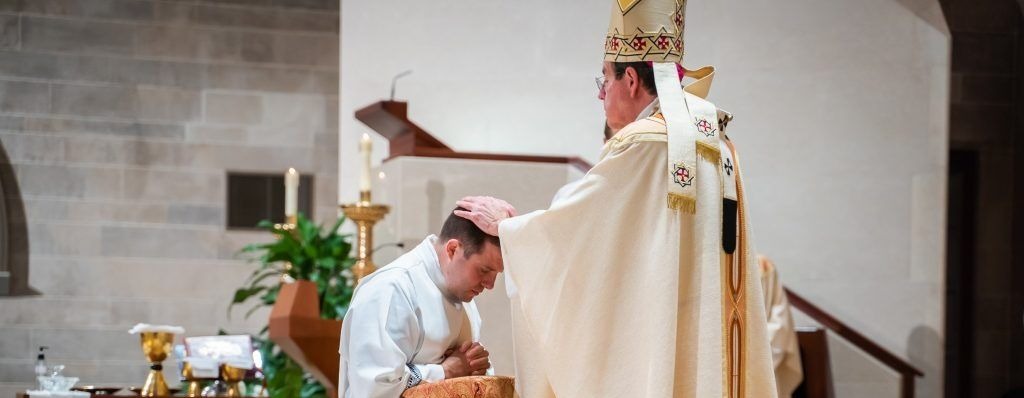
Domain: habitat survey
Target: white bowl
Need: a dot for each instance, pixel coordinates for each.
(56, 383)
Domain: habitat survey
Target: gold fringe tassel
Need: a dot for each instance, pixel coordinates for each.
(684, 203)
(709, 151)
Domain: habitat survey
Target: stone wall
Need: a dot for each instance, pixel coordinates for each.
(120, 120)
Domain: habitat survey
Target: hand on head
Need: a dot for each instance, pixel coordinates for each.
(486, 212)
(469, 359)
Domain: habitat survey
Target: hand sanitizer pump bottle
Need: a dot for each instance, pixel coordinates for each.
(41, 365)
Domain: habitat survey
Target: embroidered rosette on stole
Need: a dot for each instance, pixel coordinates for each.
(692, 131)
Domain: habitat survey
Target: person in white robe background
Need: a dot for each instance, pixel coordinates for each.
(414, 320)
(789, 371)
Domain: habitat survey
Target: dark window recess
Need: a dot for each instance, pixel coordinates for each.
(256, 197)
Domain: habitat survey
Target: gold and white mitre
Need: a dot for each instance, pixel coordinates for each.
(652, 31)
(646, 31)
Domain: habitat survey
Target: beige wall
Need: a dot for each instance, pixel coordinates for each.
(841, 122)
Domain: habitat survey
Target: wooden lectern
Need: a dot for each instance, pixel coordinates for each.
(390, 120)
(296, 327)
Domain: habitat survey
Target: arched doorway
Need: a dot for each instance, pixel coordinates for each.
(14, 252)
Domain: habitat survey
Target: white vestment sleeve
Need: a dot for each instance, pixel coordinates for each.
(384, 337)
(777, 332)
(431, 372)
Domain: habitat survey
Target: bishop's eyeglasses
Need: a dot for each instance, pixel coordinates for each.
(600, 80)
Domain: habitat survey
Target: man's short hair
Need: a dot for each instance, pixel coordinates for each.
(467, 233)
(644, 71)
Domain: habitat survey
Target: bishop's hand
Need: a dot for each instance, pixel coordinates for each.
(486, 212)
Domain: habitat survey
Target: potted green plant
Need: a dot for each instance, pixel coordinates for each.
(306, 252)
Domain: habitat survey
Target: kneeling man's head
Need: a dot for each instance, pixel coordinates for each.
(470, 259)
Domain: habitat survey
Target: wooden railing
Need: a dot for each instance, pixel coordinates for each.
(908, 373)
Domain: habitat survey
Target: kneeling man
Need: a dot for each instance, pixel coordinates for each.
(414, 320)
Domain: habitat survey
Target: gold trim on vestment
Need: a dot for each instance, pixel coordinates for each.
(617, 142)
(683, 203)
(708, 151)
(734, 299)
(631, 138)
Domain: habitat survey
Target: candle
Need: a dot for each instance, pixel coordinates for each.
(291, 193)
(365, 147)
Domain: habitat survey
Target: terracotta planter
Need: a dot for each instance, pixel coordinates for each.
(296, 327)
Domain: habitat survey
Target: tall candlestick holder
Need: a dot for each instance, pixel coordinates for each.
(365, 214)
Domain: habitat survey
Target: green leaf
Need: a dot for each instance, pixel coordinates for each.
(244, 293)
(327, 263)
(265, 275)
(313, 389)
(270, 297)
(253, 309)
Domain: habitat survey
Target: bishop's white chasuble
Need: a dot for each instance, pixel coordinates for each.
(621, 290)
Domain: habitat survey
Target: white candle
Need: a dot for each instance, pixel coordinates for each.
(291, 193)
(365, 147)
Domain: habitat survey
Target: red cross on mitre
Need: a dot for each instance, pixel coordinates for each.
(662, 43)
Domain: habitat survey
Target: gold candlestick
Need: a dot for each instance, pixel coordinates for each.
(365, 214)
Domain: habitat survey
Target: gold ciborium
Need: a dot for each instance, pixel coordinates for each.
(156, 346)
(232, 376)
(194, 390)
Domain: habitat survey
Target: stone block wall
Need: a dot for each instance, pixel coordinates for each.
(120, 120)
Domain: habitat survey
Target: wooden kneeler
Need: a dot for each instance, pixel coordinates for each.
(296, 327)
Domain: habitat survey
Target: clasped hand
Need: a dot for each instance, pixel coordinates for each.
(469, 359)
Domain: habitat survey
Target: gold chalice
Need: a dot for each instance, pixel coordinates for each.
(232, 376)
(194, 390)
(156, 346)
